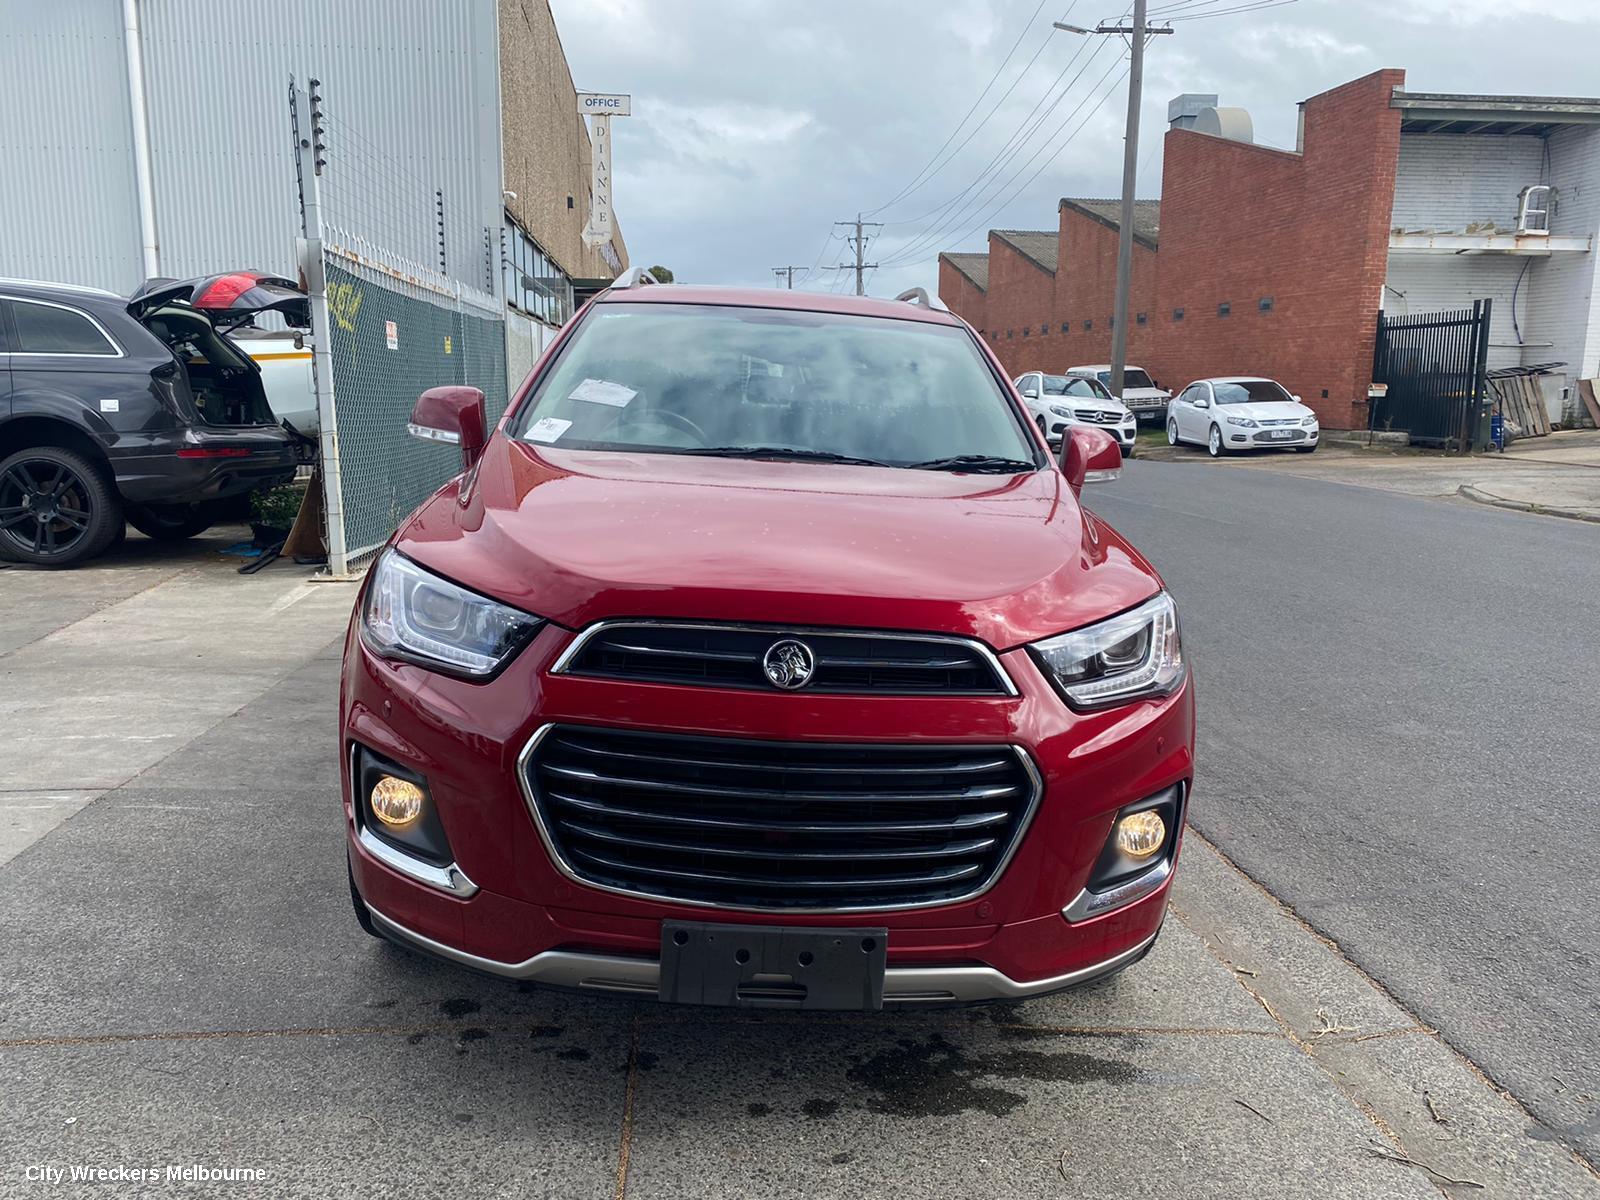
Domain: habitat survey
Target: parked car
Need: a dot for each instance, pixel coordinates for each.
(1141, 393)
(114, 409)
(763, 656)
(1057, 401)
(1241, 413)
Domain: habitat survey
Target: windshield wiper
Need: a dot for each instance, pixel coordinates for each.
(978, 464)
(784, 453)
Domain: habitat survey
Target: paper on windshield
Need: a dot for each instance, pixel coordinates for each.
(601, 391)
(548, 429)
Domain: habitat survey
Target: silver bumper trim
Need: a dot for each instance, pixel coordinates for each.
(450, 879)
(1097, 904)
(642, 976)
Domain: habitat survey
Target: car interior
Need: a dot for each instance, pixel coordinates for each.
(225, 384)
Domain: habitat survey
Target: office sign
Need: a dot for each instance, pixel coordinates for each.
(605, 104)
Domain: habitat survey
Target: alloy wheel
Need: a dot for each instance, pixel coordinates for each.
(45, 508)
(1214, 443)
(1172, 432)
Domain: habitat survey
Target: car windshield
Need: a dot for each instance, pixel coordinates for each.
(1135, 378)
(1249, 391)
(1073, 385)
(776, 383)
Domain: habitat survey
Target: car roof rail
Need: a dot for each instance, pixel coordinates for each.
(634, 277)
(920, 296)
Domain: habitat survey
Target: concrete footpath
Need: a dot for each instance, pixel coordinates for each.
(182, 984)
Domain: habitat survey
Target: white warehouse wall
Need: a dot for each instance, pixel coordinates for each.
(1545, 308)
(1565, 307)
(1448, 181)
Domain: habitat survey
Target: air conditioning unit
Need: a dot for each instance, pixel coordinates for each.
(1533, 216)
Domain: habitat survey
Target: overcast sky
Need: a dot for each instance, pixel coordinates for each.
(758, 122)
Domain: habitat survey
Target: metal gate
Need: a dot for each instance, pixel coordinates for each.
(1434, 365)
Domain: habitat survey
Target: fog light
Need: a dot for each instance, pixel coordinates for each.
(396, 802)
(1141, 834)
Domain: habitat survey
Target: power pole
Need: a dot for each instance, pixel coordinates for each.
(1130, 169)
(788, 273)
(860, 243)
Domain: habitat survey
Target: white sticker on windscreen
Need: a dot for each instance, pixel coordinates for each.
(548, 429)
(601, 391)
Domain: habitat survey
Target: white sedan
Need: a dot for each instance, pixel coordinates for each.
(1057, 401)
(1240, 413)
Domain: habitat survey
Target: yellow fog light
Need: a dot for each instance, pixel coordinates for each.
(396, 802)
(1141, 834)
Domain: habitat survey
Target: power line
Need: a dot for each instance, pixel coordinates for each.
(959, 207)
(1228, 12)
(788, 272)
(988, 193)
(899, 262)
(917, 180)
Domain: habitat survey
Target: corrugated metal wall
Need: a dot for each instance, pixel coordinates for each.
(67, 198)
(412, 94)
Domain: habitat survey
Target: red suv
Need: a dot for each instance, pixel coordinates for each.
(762, 656)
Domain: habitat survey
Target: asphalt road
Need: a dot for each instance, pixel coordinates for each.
(1399, 725)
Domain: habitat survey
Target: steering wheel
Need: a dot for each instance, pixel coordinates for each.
(677, 421)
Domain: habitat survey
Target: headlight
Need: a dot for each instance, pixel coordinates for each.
(414, 615)
(1129, 657)
(1246, 422)
(1061, 412)
(1309, 422)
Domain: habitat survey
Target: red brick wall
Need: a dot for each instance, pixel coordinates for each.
(1086, 290)
(1021, 304)
(1310, 231)
(961, 296)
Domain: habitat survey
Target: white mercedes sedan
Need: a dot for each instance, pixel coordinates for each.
(1240, 413)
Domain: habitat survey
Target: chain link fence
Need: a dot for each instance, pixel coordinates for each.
(388, 324)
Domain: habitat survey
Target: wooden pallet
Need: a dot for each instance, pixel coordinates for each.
(1587, 389)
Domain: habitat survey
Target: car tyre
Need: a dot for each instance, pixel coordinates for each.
(1214, 445)
(170, 522)
(1172, 431)
(83, 508)
(1044, 429)
(1127, 451)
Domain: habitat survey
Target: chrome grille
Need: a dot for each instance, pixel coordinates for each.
(1097, 416)
(777, 825)
(731, 657)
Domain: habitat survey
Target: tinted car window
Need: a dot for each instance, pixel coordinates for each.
(1251, 391)
(1074, 385)
(682, 378)
(45, 329)
(1135, 378)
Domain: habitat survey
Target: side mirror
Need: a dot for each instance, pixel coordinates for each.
(1202, 403)
(455, 415)
(1297, 399)
(1090, 455)
(1031, 393)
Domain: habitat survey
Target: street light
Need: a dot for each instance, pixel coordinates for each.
(1072, 28)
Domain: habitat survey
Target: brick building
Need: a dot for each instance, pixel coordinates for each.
(1265, 261)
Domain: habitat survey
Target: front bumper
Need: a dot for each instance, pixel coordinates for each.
(580, 971)
(505, 906)
(1126, 434)
(1271, 438)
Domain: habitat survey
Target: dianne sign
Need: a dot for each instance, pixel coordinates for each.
(601, 106)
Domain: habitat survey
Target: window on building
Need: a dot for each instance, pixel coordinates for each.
(533, 282)
(1144, 318)
(1177, 314)
(1265, 304)
(1044, 328)
(1066, 326)
(1088, 324)
(49, 329)
(1224, 309)
(1025, 330)
(1008, 333)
